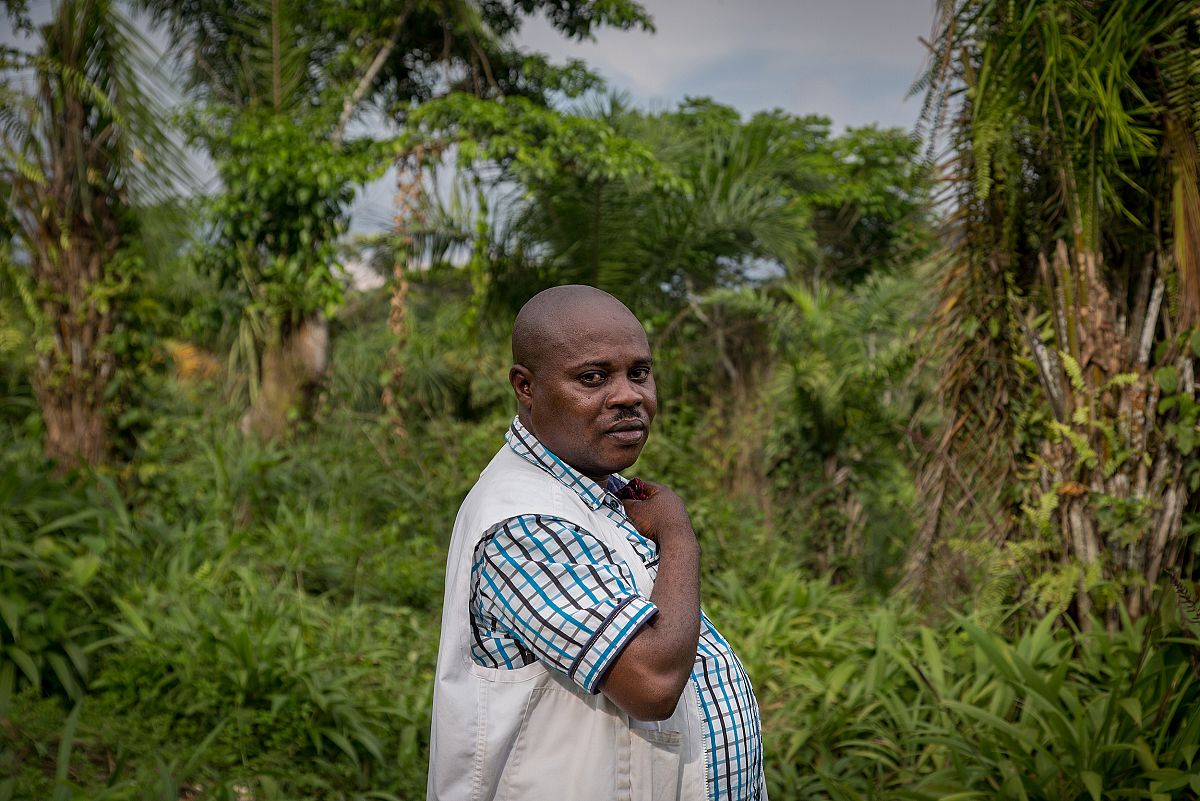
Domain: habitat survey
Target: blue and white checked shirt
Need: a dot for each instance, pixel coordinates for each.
(545, 589)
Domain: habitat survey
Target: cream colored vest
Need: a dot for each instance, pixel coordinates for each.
(529, 734)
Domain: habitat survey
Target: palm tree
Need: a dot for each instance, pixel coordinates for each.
(729, 207)
(287, 78)
(79, 129)
(1070, 287)
(265, 75)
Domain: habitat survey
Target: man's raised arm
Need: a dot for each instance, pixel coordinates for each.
(649, 675)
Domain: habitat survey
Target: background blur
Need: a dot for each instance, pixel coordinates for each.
(922, 280)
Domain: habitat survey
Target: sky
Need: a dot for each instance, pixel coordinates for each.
(850, 60)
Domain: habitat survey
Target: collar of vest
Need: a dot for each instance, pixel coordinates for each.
(531, 449)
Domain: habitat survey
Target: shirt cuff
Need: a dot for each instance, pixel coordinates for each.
(609, 640)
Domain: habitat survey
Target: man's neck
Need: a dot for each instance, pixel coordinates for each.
(528, 424)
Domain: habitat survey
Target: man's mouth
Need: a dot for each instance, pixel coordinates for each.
(628, 432)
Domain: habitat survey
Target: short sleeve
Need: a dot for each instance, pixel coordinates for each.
(548, 588)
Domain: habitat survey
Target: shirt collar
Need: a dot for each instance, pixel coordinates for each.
(532, 450)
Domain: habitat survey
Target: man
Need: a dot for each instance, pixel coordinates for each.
(575, 663)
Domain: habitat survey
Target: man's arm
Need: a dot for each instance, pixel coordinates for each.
(649, 675)
(549, 588)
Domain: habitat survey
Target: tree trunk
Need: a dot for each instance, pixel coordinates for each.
(73, 370)
(398, 325)
(292, 369)
(72, 269)
(74, 222)
(1118, 474)
(1109, 467)
(409, 218)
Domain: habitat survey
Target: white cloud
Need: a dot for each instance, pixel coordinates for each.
(852, 60)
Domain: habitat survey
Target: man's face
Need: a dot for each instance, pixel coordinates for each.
(592, 397)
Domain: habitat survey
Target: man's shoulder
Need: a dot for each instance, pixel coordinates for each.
(509, 473)
(510, 487)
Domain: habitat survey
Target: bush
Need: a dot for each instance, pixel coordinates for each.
(60, 548)
(225, 619)
(304, 696)
(862, 700)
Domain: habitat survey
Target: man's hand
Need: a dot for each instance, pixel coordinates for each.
(661, 514)
(651, 672)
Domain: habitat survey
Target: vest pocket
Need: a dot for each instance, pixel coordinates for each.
(564, 750)
(657, 764)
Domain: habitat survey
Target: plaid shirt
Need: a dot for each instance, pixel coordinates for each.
(543, 588)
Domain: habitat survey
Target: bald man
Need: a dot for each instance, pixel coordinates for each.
(575, 661)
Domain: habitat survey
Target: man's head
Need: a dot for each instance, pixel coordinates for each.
(581, 371)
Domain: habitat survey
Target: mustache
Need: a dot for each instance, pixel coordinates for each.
(628, 422)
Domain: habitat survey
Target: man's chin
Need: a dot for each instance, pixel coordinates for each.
(619, 460)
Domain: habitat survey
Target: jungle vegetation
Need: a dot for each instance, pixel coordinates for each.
(930, 396)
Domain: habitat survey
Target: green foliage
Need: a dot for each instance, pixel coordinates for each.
(219, 617)
(870, 703)
(1068, 132)
(285, 202)
(84, 149)
(686, 200)
(54, 542)
(227, 54)
(842, 397)
(287, 677)
(275, 605)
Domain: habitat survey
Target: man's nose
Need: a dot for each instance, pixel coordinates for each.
(624, 392)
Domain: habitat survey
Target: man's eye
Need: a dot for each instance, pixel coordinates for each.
(639, 373)
(592, 377)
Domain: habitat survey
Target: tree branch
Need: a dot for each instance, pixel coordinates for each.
(354, 98)
(276, 67)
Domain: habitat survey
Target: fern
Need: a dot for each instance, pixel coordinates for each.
(1042, 515)
(1188, 606)
(1084, 452)
(1121, 380)
(1074, 371)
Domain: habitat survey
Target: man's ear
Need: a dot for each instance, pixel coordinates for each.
(521, 379)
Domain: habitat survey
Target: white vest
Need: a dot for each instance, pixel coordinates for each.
(530, 734)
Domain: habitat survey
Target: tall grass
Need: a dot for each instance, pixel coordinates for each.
(863, 700)
(225, 619)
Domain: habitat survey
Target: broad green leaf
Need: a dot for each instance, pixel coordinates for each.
(66, 745)
(83, 568)
(63, 672)
(838, 677)
(134, 617)
(1167, 379)
(1093, 783)
(1133, 708)
(11, 616)
(25, 663)
(8, 679)
(342, 742)
(77, 656)
(933, 660)
(995, 722)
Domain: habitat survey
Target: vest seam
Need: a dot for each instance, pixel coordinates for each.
(481, 726)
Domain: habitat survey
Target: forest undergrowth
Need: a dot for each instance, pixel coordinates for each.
(228, 619)
(930, 395)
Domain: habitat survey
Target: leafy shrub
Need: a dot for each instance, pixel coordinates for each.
(276, 627)
(59, 547)
(284, 678)
(863, 701)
